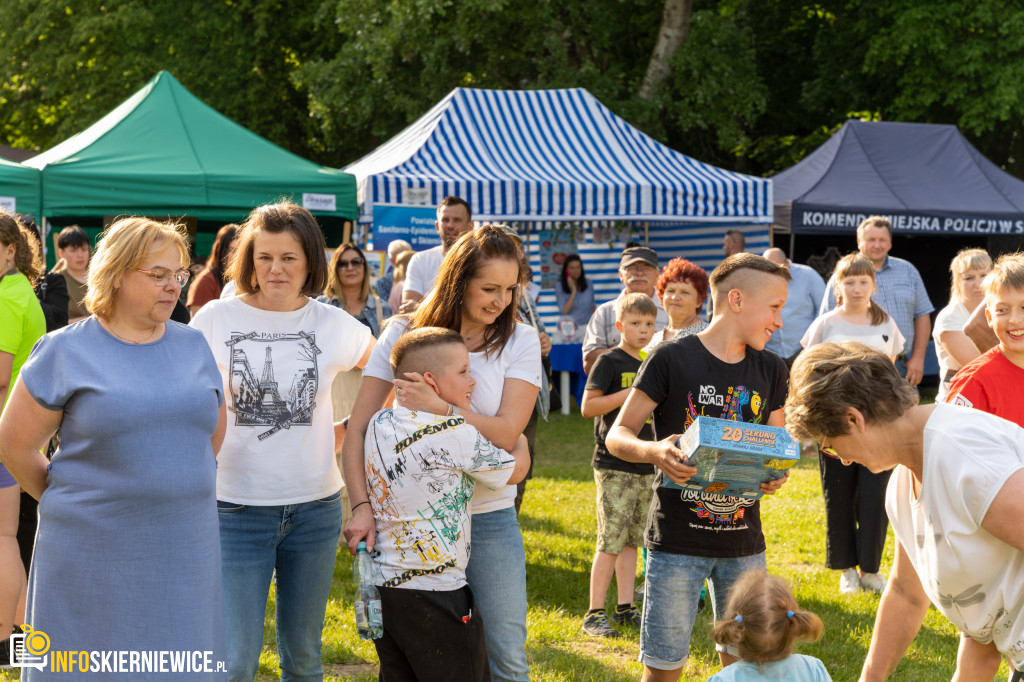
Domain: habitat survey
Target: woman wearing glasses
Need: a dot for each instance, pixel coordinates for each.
(955, 501)
(127, 554)
(278, 484)
(348, 288)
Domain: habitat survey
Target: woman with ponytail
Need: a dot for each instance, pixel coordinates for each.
(762, 620)
(854, 497)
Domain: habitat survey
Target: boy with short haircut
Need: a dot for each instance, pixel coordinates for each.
(623, 488)
(420, 472)
(691, 536)
(992, 381)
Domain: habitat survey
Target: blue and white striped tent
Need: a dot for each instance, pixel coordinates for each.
(557, 156)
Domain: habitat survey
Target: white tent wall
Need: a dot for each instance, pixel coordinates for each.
(699, 243)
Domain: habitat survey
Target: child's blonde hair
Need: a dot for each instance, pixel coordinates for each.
(636, 303)
(763, 619)
(1007, 273)
(857, 265)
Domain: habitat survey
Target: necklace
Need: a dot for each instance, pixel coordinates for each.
(147, 338)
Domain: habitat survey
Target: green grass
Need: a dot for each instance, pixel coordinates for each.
(558, 529)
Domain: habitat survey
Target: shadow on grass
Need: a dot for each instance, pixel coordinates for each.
(551, 587)
(541, 524)
(584, 664)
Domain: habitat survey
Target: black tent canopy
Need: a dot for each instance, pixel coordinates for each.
(927, 178)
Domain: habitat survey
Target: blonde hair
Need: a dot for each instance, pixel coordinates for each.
(963, 262)
(26, 250)
(763, 620)
(856, 264)
(402, 265)
(636, 303)
(124, 246)
(828, 378)
(1007, 273)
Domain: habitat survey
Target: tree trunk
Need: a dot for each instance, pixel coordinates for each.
(675, 28)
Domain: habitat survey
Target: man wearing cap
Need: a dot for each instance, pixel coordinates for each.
(638, 270)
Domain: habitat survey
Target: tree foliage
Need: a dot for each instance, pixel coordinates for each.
(755, 86)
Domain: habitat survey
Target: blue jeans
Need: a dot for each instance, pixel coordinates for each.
(299, 542)
(673, 584)
(497, 576)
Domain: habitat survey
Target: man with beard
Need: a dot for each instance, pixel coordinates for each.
(453, 221)
(638, 270)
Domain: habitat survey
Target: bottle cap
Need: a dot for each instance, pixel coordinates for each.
(361, 547)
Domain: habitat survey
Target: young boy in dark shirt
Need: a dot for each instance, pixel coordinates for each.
(721, 372)
(623, 488)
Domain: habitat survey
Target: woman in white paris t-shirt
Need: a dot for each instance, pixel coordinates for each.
(475, 296)
(278, 484)
(855, 523)
(955, 502)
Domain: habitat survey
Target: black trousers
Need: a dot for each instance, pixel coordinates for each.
(854, 514)
(427, 637)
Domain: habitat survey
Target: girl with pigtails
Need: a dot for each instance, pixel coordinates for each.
(762, 620)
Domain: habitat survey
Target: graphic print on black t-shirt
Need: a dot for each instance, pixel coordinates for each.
(273, 380)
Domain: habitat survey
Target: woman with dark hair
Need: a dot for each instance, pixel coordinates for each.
(574, 294)
(682, 288)
(210, 281)
(21, 325)
(278, 484)
(476, 295)
(348, 288)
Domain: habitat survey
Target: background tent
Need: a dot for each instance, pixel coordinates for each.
(19, 188)
(927, 178)
(559, 162)
(163, 152)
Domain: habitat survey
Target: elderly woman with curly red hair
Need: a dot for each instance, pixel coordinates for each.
(682, 288)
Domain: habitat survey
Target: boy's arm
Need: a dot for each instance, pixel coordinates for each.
(622, 440)
(596, 402)
(521, 452)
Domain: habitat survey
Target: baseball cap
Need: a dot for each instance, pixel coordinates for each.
(639, 254)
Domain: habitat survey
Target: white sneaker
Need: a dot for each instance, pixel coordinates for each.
(849, 581)
(873, 581)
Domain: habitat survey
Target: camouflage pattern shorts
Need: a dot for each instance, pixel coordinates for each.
(623, 500)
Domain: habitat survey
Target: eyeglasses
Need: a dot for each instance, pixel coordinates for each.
(354, 263)
(161, 276)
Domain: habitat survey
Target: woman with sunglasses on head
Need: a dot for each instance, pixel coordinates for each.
(476, 294)
(127, 554)
(855, 523)
(278, 483)
(955, 501)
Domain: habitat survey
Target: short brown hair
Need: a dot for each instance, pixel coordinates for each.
(763, 619)
(636, 303)
(1007, 273)
(277, 218)
(122, 247)
(409, 352)
(735, 264)
(828, 378)
(456, 201)
(442, 307)
(857, 264)
(874, 221)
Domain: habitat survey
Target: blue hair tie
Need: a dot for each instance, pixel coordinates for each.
(789, 614)
(738, 619)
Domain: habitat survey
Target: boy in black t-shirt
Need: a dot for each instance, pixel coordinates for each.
(722, 372)
(623, 488)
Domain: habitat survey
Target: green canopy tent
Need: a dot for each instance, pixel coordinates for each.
(19, 188)
(163, 152)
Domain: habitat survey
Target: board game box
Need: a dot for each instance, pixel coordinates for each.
(734, 458)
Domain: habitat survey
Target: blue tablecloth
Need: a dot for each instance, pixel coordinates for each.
(568, 357)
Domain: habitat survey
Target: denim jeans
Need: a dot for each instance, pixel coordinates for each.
(299, 542)
(497, 576)
(673, 584)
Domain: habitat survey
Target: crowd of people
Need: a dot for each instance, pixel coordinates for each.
(183, 469)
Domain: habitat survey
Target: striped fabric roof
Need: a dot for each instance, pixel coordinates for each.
(549, 155)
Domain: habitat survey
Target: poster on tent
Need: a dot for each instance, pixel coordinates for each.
(414, 224)
(9, 204)
(555, 244)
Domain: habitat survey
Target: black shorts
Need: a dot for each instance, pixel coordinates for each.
(431, 636)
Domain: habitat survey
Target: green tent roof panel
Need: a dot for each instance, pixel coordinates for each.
(165, 152)
(20, 188)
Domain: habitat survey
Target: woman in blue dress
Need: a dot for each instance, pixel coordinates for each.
(127, 554)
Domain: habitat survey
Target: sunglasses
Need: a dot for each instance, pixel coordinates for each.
(354, 263)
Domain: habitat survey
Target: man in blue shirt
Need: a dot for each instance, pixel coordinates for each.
(806, 290)
(900, 292)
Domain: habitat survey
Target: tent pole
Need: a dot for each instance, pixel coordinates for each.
(647, 235)
(43, 231)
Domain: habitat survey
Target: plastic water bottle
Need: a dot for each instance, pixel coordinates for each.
(369, 619)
